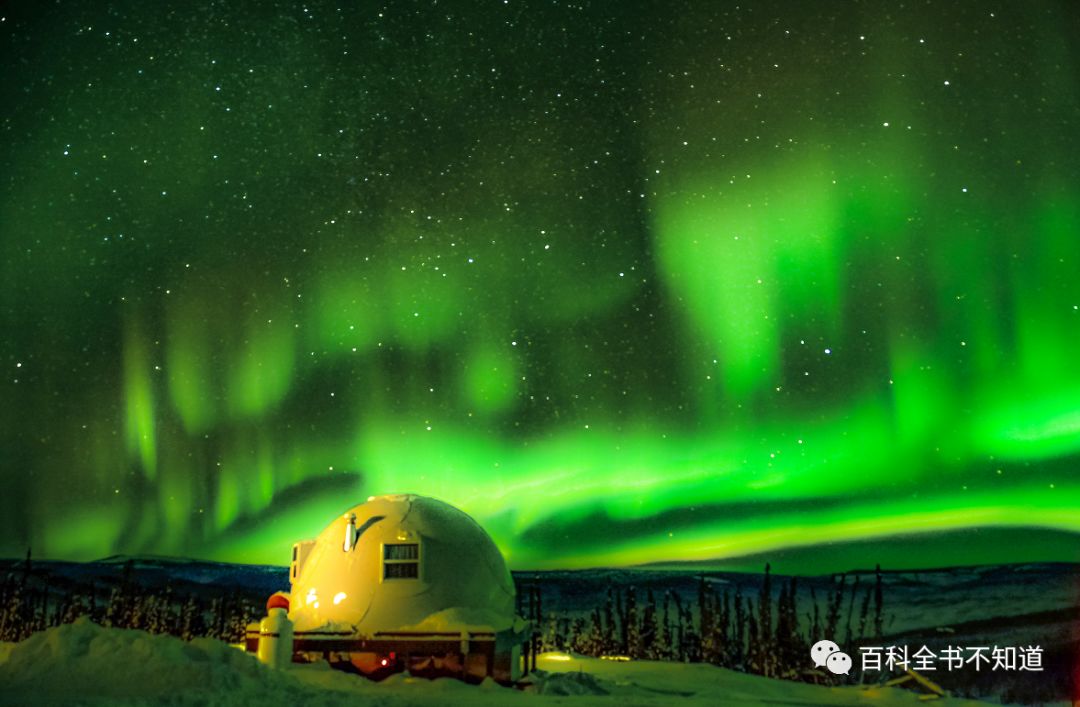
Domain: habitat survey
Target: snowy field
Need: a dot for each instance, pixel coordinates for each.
(85, 664)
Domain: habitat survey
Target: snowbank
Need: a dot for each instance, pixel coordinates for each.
(85, 664)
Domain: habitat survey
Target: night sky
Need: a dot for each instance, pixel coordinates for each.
(627, 282)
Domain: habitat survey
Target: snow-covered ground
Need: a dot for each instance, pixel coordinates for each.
(85, 664)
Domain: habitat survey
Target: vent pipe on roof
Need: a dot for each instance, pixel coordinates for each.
(350, 531)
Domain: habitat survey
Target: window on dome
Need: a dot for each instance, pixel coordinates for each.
(401, 561)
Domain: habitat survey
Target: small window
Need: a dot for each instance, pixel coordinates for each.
(401, 561)
(408, 551)
(402, 570)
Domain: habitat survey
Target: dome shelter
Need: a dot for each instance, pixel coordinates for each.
(405, 582)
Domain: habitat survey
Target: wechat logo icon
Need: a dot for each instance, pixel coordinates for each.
(828, 654)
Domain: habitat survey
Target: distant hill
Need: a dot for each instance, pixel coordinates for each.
(911, 552)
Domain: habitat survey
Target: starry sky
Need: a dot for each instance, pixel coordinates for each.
(628, 282)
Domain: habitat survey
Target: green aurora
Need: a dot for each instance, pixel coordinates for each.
(655, 282)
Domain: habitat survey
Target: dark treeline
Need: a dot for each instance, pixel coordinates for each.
(27, 607)
(764, 634)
